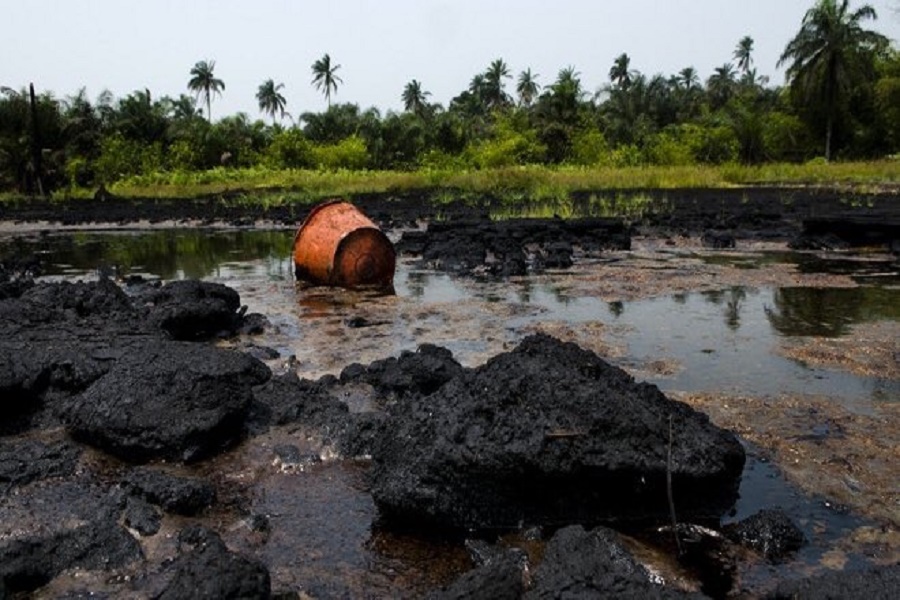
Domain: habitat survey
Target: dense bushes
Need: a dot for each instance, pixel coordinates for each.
(634, 121)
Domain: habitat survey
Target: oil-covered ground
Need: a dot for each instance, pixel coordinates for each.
(783, 334)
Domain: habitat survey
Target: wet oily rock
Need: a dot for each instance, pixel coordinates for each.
(207, 569)
(549, 433)
(174, 400)
(593, 564)
(54, 342)
(770, 532)
(174, 493)
(25, 460)
(81, 300)
(46, 529)
(142, 517)
(289, 399)
(504, 247)
(21, 383)
(35, 375)
(503, 577)
(414, 373)
(17, 275)
(193, 310)
(876, 583)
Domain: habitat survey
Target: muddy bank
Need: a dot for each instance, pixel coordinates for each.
(765, 213)
(842, 454)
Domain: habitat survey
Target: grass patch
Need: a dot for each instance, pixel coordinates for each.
(551, 185)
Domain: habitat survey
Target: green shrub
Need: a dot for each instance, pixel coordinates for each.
(666, 149)
(785, 137)
(508, 150)
(79, 172)
(182, 155)
(350, 153)
(121, 157)
(589, 148)
(626, 155)
(440, 160)
(710, 144)
(289, 150)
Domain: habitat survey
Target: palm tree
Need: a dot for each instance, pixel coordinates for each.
(687, 93)
(415, 100)
(742, 54)
(528, 87)
(270, 101)
(828, 55)
(566, 94)
(184, 108)
(324, 77)
(619, 73)
(493, 84)
(477, 86)
(204, 83)
(688, 79)
(720, 85)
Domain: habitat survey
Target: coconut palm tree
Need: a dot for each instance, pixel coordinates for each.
(184, 108)
(720, 85)
(688, 79)
(270, 100)
(566, 95)
(493, 84)
(528, 87)
(742, 54)
(828, 54)
(204, 83)
(619, 73)
(415, 100)
(324, 77)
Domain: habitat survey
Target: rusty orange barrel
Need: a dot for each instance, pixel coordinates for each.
(338, 245)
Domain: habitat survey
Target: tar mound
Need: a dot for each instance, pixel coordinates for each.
(593, 564)
(180, 495)
(46, 529)
(195, 310)
(172, 400)
(770, 532)
(207, 569)
(512, 246)
(549, 434)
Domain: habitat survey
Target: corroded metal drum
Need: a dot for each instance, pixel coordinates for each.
(338, 245)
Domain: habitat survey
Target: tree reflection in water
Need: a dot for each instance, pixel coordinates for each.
(829, 312)
(168, 254)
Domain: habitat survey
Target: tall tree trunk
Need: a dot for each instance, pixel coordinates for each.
(36, 162)
(828, 129)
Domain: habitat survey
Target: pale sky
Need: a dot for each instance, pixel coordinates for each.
(126, 45)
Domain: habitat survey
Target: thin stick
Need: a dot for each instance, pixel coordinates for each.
(669, 490)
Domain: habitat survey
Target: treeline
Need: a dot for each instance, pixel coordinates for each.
(499, 120)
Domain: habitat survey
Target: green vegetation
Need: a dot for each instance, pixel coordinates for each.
(535, 182)
(637, 131)
(829, 56)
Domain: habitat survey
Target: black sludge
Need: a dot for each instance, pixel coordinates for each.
(549, 434)
(46, 529)
(173, 400)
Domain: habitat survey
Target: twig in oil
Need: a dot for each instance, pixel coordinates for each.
(669, 490)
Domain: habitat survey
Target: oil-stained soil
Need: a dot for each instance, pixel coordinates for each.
(348, 443)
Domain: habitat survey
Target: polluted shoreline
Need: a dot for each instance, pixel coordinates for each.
(375, 468)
